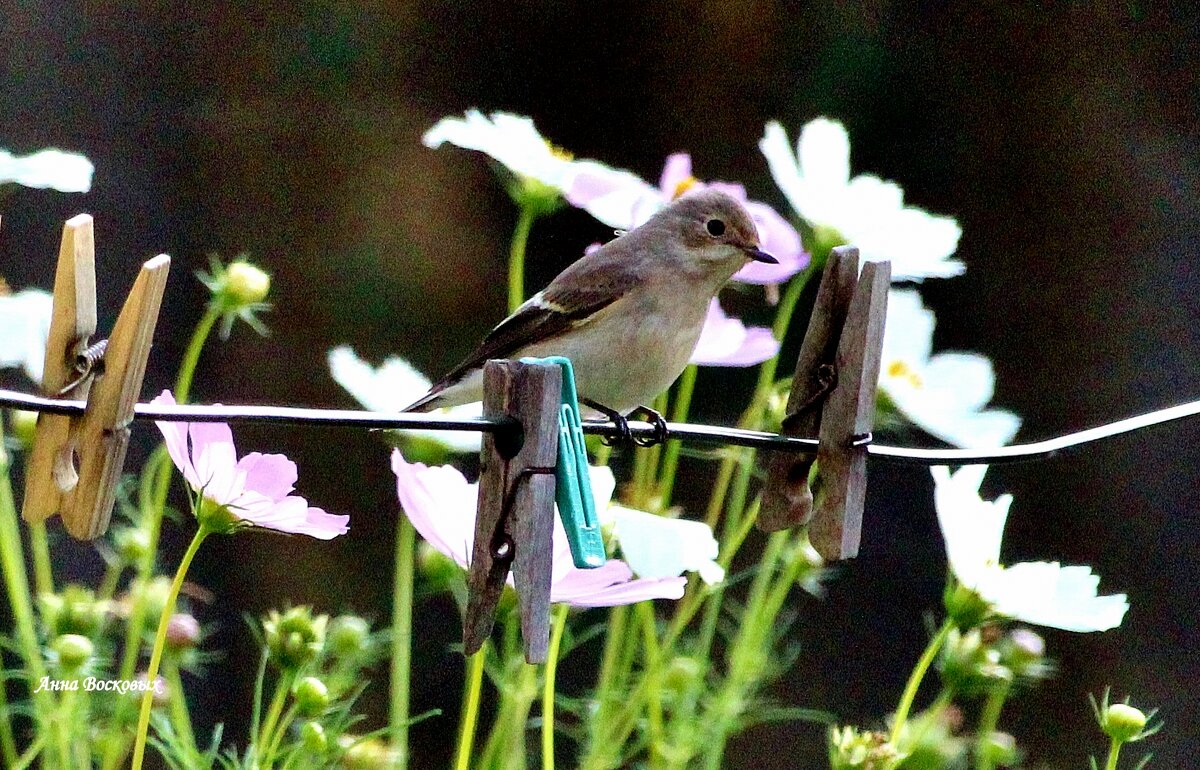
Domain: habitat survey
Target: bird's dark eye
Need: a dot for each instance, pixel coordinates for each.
(715, 227)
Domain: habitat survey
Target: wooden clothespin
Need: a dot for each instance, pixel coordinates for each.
(514, 527)
(833, 398)
(76, 461)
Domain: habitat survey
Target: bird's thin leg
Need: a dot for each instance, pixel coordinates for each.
(657, 420)
(624, 436)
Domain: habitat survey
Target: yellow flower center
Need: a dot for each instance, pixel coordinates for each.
(558, 152)
(683, 186)
(900, 370)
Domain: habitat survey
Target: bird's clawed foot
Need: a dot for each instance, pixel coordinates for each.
(624, 434)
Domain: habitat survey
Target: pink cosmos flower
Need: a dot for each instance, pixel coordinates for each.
(623, 200)
(726, 341)
(255, 490)
(441, 505)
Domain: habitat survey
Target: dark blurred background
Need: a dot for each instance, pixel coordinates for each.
(1063, 136)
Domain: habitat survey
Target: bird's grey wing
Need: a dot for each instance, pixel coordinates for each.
(562, 306)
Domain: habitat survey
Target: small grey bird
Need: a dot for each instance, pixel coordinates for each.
(629, 314)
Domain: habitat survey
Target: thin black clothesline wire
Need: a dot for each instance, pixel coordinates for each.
(688, 432)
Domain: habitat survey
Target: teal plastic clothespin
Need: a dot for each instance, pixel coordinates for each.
(573, 487)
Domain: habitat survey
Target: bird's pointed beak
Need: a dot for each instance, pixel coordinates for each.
(758, 255)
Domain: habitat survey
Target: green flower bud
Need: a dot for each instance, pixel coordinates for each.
(217, 518)
(246, 284)
(1000, 748)
(535, 195)
(969, 665)
(1123, 723)
(934, 745)
(295, 637)
(312, 737)
(131, 544)
(24, 426)
(682, 672)
(74, 611)
(183, 631)
(1023, 651)
(238, 291)
(349, 636)
(372, 754)
(854, 749)
(155, 596)
(312, 696)
(965, 606)
(822, 241)
(439, 568)
(72, 651)
(162, 693)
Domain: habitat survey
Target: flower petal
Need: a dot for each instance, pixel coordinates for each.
(175, 436)
(781, 161)
(272, 476)
(512, 140)
(293, 515)
(24, 329)
(440, 504)
(779, 239)
(677, 172)
(1048, 594)
(62, 171)
(823, 153)
(610, 586)
(617, 198)
(726, 341)
(657, 546)
(392, 387)
(971, 527)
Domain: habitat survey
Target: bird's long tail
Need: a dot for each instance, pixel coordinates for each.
(426, 403)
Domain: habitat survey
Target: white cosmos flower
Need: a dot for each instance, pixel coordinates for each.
(1043, 593)
(394, 385)
(656, 546)
(944, 394)
(865, 211)
(24, 329)
(512, 140)
(58, 170)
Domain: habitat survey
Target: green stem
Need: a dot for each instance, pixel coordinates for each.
(263, 740)
(181, 719)
(516, 257)
(988, 721)
(1114, 750)
(914, 679)
(191, 357)
(402, 603)
(256, 709)
(751, 646)
(160, 639)
(518, 715)
(275, 740)
(556, 635)
(470, 714)
(152, 500)
(607, 682)
(12, 563)
(653, 666)
(670, 463)
(39, 547)
(8, 743)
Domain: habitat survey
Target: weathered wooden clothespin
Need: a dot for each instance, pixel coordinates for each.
(514, 528)
(832, 398)
(76, 461)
